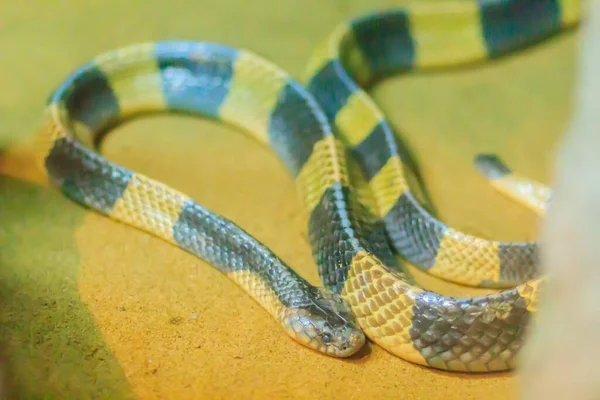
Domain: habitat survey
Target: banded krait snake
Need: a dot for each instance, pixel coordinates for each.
(351, 179)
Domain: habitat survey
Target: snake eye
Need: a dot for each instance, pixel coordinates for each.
(326, 338)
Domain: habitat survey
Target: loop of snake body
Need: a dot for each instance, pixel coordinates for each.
(342, 154)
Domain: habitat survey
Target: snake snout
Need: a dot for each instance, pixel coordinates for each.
(315, 330)
(350, 343)
(324, 323)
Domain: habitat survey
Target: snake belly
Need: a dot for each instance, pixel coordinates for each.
(347, 234)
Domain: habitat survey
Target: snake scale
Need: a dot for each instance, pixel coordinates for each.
(345, 161)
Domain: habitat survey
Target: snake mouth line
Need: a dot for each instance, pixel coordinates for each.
(354, 345)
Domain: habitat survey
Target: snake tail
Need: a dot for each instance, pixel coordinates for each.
(523, 190)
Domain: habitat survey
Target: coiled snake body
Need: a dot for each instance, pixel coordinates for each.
(343, 156)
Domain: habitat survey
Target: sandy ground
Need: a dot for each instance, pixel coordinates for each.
(90, 308)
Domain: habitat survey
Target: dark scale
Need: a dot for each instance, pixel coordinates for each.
(524, 20)
(339, 227)
(228, 247)
(375, 150)
(296, 124)
(519, 262)
(445, 328)
(386, 42)
(332, 88)
(88, 98)
(195, 77)
(413, 232)
(85, 176)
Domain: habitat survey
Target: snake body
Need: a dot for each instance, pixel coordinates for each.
(336, 145)
(371, 47)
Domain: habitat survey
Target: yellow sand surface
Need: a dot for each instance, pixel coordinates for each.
(90, 308)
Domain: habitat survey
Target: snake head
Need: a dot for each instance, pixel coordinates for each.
(325, 323)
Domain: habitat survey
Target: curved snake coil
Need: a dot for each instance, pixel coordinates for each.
(351, 181)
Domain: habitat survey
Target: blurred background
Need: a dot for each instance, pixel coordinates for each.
(90, 308)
